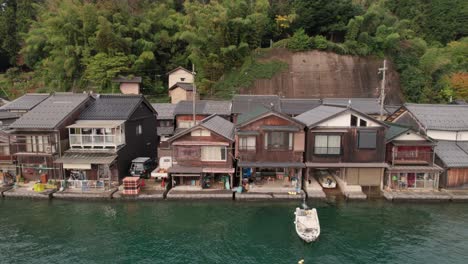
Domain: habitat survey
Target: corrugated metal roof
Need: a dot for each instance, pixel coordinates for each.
(51, 112)
(97, 124)
(86, 158)
(440, 117)
(203, 107)
(318, 114)
(112, 107)
(293, 106)
(245, 103)
(346, 165)
(165, 110)
(369, 106)
(220, 126)
(434, 168)
(453, 154)
(25, 102)
(183, 85)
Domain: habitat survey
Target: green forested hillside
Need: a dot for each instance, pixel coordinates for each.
(74, 45)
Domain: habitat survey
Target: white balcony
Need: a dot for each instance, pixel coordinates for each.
(94, 134)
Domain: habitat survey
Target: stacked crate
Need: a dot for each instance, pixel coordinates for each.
(131, 185)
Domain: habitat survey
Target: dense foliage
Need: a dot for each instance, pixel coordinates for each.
(83, 44)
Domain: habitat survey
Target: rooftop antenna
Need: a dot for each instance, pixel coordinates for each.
(194, 96)
(349, 103)
(382, 89)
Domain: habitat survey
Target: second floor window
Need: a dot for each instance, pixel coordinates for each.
(200, 133)
(5, 150)
(139, 130)
(38, 144)
(367, 139)
(247, 143)
(327, 144)
(209, 153)
(278, 140)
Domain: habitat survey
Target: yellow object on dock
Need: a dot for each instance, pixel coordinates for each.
(39, 187)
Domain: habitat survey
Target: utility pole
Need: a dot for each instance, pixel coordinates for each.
(382, 88)
(194, 95)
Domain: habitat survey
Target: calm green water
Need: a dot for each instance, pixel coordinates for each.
(229, 232)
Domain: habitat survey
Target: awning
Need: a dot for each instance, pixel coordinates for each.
(281, 128)
(97, 124)
(434, 168)
(199, 143)
(247, 133)
(346, 165)
(246, 164)
(413, 143)
(185, 169)
(86, 158)
(218, 170)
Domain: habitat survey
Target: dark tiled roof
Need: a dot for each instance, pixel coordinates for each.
(127, 80)
(453, 154)
(252, 114)
(25, 102)
(293, 106)
(112, 107)
(8, 115)
(51, 112)
(203, 107)
(369, 106)
(394, 131)
(219, 125)
(245, 103)
(440, 117)
(165, 110)
(165, 131)
(318, 114)
(179, 68)
(183, 85)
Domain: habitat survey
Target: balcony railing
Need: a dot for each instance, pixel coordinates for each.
(95, 141)
(413, 156)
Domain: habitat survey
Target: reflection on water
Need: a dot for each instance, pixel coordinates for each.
(229, 232)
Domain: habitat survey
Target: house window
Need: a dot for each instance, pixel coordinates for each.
(362, 123)
(200, 133)
(327, 145)
(247, 143)
(182, 79)
(354, 121)
(139, 130)
(209, 153)
(278, 140)
(5, 150)
(367, 139)
(38, 144)
(186, 124)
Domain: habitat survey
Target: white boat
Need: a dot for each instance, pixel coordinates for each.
(326, 179)
(307, 224)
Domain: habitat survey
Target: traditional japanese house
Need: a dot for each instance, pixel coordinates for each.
(411, 157)
(165, 126)
(348, 144)
(269, 150)
(41, 134)
(202, 155)
(108, 135)
(180, 85)
(448, 124)
(183, 112)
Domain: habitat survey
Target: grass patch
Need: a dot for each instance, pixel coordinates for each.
(245, 76)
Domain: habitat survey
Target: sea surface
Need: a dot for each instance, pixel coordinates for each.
(229, 232)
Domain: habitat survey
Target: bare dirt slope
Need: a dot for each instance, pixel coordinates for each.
(317, 74)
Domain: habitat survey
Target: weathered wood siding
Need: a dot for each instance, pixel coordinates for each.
(260, 154)
(350, 151)
(456, 177)
(419, 154)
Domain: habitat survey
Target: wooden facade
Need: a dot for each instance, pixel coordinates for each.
(455, 177)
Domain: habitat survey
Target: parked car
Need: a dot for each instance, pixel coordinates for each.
(142, 167)
(325, 178)
(161, 171)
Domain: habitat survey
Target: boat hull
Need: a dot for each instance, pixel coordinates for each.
(307, 224)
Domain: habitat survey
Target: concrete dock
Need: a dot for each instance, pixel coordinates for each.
(351, 192)
(27, 193)
(252, 196)
(148, 195)
(175, 194)
(417, 196)
(314, 190)
(84, 195)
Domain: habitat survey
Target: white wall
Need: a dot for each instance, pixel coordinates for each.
(447, 135)
(410, 136)
(344, 120)
(178, 75)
